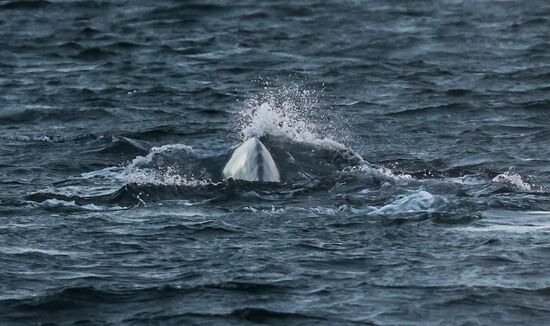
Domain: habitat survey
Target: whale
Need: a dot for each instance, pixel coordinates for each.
(251, 161)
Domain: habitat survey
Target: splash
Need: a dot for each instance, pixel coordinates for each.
(271, 119)
(291, 111)
(294, 112)
(513, 178)
(145, 160)
(165, 177)
(142, 171)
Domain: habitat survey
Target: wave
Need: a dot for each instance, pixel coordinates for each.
(71, 205)
(129, 195)
(457, 92)
(92, 294)
(514, 179)
(22, 251)
(72, 300)
(37, 113)
(89, 31)
(121, 145)
(94, 53)
(25, 4)
(441, 109)
(262, 315)
(204, 228)
(536, 105)
(187, 9)
(46, 139)
(44, 4)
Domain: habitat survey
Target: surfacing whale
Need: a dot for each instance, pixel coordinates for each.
(251, 161)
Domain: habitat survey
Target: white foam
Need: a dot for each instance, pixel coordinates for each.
(166, 177)
(514, 179)
(113, 173)
(25, 138)
(138, 171)
(421, 201)
(467, 180)
(71, 203)
(509, 228)
(144, 160)
(500, 220)
(380, 171)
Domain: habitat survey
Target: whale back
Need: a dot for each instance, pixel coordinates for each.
(251, 161)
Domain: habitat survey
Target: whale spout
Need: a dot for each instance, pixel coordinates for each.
(251, 161)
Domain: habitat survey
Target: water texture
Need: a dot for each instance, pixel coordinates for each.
(412, 139)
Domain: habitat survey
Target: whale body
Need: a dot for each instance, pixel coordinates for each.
(251, 161)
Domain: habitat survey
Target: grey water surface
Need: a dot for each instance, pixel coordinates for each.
(412, 138)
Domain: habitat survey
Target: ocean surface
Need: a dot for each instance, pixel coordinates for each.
(412, 138)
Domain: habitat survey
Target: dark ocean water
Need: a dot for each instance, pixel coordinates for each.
(412, 139)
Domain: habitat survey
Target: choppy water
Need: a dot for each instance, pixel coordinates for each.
(412, 139)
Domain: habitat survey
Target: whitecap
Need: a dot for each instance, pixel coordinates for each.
(514, 179)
